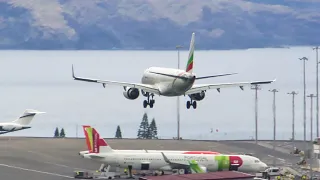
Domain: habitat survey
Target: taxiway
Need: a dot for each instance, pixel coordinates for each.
(56, 159)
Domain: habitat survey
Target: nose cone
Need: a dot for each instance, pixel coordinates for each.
(263, 166)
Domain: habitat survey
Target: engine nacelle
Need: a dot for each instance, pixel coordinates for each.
(131, 93)
(197, 96)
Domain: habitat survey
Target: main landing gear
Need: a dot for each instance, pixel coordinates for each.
(192, 103)
(149, 101)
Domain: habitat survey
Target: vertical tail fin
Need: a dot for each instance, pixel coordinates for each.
(97, 144)
(189, 67)
(27, 117)
(88, 134)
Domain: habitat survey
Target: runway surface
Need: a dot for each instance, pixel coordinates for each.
(56, 159)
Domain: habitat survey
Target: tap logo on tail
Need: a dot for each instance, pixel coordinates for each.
(96, 138)
(93, 140)
(88, 134)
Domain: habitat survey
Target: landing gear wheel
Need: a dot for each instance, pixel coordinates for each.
(145, 103)
(151, 104)
(149, 101)
(152, 101)
(188, 104)
(194, 104)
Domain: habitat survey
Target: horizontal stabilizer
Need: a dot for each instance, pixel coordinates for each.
(218, 75)
(170, 75)
(93, 156)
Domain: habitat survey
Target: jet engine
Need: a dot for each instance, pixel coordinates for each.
(131, 93)
(197, 96)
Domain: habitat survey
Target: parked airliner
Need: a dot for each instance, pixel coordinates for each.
(20, 123)
(171, 82)
(89, 134)
(102, 152)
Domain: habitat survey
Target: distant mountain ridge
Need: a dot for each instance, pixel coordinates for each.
(157, 24)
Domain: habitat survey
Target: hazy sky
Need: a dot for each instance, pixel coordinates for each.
(42, 80)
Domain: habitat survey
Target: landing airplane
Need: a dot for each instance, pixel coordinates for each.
(20, 123)
(171, 82)
(90, 132)
(102, 152)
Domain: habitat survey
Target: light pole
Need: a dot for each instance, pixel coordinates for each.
(256, 87)
(274, 122)
(311, 96)
(178, 98)
(293, 93)
(317, 89)
(304, 59)
(311, 131)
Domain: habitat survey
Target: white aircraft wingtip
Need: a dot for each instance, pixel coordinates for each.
(34, 111)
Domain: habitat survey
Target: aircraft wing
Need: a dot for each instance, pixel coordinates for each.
(5, 132)
(203, 87)
(145, 87)
(174, 165)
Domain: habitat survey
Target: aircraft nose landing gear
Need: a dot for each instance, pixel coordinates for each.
(192, 103)
(149, 101)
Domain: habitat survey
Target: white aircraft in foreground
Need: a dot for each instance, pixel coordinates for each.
(171, 82)
(20, 123)
(90, 133)
(197, 163)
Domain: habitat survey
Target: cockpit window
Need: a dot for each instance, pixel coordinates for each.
(256, 161)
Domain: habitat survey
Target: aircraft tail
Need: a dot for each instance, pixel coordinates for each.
(94, 142)
(189, 67)
(27, 117)
(88, 140)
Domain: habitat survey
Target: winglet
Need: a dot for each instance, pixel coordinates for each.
(165, 158)
(74, 77)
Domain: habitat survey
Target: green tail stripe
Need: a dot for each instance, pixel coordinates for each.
(190, 60)
(195, 167)
(89, 131)
(223, 162)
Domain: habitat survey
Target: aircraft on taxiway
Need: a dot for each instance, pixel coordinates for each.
(20, 123)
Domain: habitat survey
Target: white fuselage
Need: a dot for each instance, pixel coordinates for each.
(11, 127)
(168, 86)
(157, 162)
(153, 151)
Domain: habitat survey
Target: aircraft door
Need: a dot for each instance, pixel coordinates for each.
(233, 167)
(145, 166)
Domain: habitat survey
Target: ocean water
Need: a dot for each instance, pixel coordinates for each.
(43, 80)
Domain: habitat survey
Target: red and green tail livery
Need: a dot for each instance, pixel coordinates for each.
(191, 55)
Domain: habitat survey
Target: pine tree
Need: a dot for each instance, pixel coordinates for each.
(144, 126)
(153, 129)
(56, 133)
(118, 133)
(62, 133)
